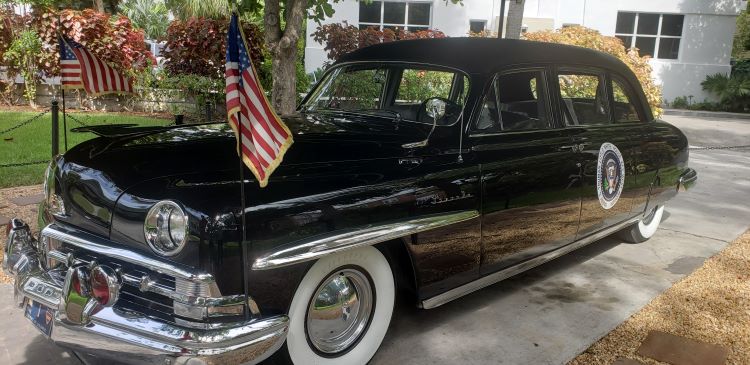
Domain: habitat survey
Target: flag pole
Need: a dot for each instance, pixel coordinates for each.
(62, 88)
(243, 243)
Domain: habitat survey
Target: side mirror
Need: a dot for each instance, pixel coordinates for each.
(435, 108)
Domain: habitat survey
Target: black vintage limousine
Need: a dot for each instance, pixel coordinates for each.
(429, 168)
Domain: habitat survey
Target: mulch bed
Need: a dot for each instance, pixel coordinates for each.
(705, 315)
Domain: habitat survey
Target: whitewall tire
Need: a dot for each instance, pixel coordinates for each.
(341, 310)
(645, 228)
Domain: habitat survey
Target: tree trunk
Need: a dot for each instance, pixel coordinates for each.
(99, 5)
(515, 19)
(282, 46)
(284, 90)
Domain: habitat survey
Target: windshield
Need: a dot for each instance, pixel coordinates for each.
(395, 91)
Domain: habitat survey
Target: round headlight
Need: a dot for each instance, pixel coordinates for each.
(166, 228)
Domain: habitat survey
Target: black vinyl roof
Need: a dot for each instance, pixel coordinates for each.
(484, 55)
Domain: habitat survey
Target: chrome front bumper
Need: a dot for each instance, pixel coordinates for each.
(132, 337)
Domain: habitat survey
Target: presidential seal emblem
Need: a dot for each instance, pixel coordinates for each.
(610, 175)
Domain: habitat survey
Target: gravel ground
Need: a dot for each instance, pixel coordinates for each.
(10, 210)
(710, 305)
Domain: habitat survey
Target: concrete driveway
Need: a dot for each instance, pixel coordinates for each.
(554, 312)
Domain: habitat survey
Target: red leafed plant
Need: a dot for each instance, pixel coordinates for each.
(197, 46)
(10, 24)
(6, 30)
(111, 38)
(342, 38)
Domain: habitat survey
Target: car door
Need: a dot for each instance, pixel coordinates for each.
(608, 150)
(530, 195)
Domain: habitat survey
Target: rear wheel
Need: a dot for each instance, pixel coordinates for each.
(645, 228)
(341, 309)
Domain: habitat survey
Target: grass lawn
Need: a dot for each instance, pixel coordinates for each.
(32, 142)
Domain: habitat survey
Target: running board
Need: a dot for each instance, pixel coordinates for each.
(503, 274)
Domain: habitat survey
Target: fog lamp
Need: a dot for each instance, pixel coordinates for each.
(105, 286)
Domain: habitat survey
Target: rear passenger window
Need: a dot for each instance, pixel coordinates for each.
(625, 110)
(583, 99)
(515, 102)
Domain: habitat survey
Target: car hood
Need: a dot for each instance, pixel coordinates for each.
(97, 173)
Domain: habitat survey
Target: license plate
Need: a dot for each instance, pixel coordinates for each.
(41, 316)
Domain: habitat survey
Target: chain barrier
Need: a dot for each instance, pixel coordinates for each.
(20, 164)
(25, 122)
(719, 147)
(82, 124)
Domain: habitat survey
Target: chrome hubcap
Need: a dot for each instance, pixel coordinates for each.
(339, 311)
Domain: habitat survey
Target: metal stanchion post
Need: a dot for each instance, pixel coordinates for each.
(55, 129)
(209, 112)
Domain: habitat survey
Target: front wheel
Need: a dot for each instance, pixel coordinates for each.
(646, 227)
(341, 309)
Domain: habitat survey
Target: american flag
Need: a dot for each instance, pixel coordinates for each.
(81, 69)
(71, 69)
(264, 137)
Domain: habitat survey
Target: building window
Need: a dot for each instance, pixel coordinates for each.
(655, 35)
(477, 26)
(412, 16)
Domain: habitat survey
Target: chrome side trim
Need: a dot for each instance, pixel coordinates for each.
(90, 243)
(306, 250)
(495, 277)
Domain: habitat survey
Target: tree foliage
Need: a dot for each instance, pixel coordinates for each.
(197, 46)
(150, 15)
(10, 24)
(741, 46)
(589, 38)
(215, 9)
(283, 22)
(341, 38)
(22, 55)
(733, 91)
(109, 6)
(111, 38)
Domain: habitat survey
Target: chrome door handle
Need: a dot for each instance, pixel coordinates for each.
(411, 161)
(572, 148)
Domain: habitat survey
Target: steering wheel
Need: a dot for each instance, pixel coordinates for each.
(451, 110)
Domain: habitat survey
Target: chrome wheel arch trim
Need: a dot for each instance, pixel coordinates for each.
(334, 242)
(503, 274)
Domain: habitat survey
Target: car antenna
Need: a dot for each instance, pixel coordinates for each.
(461, 138)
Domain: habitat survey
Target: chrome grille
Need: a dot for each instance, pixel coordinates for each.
(149, 287)
(131, 297)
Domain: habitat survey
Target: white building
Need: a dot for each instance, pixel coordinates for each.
(688, 39)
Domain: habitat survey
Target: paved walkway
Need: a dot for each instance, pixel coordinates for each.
(20, 342)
